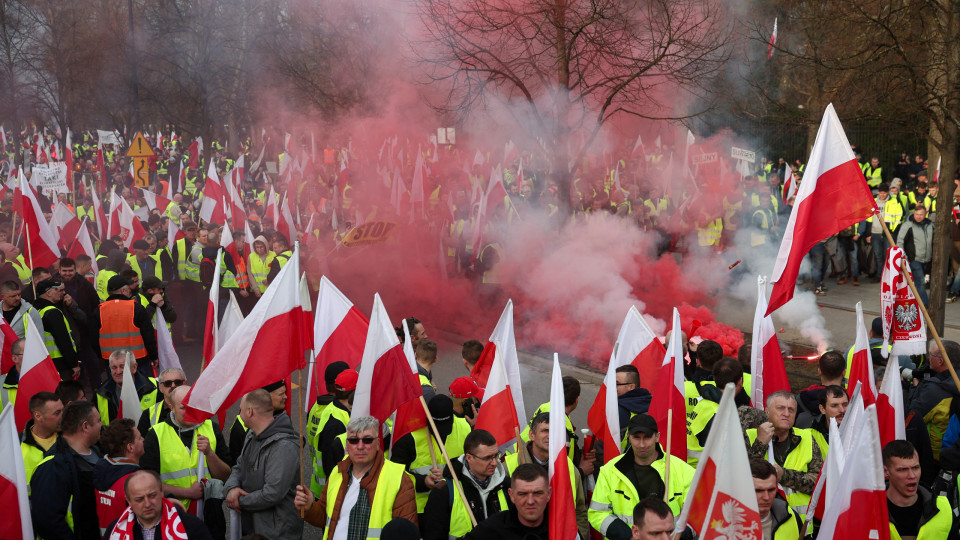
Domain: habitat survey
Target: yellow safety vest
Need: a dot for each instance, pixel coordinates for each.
(381, 508)
(709, 235)
(759, 238)
(798, 459)
(874, 176)
(135, 265)
(696, 423)
(103, 278)
(422, 462)
(318, 479)
(260, 269)
(32, 456)
(459, 518)
(48, 337)
(937, 527)
(178, 465)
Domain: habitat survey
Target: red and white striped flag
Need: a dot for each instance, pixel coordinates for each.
(789, 185)
(17, 523)
(7, 337)
(173, 234)
(563, 515)
(37, 374)
(669, 395)
(890, 404)
(501, 411)
(210, 328)
(128, 224)
(212, 210)
(857, 507)
(166, 353)
(339, 331)
(636, 345)
(833, 196)
(766, 360)
(385, 371)
(82, 245)
(861, 367)
(275, 329)
(40, 243)
(721, 495)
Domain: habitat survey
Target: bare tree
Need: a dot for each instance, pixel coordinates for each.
(572, 65)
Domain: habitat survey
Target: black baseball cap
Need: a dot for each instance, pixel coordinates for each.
(642, 423)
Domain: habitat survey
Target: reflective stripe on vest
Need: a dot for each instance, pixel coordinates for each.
(260, 269)
(319, 478)
(798, 460)
(48, 340)
(117, 330)
(178, 466)
(423, 462)
(381, 508)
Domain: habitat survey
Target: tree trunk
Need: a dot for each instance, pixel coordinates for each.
(943, 244)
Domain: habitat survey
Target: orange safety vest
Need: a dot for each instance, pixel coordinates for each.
(243, 280)
(117, 330)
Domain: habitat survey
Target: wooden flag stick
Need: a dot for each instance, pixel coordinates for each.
(666, 469)
(521, 448)
(446, 458)
(923, 308)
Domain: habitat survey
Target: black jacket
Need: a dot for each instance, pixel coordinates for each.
(636, 401)
(56, 483)
(506, 526)
(109, 391)
(436, 514)
(55, 323)
(192, 525)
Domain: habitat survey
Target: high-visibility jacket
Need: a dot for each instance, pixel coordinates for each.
(798, 459)
(147, 402)
(760, 234)
(930, 203)
(260, 269)
(178, 464)
(283, 257)
(117, 330)
(187, 268)
(459, 518)
(135, 265)
(8, 395)
(615, 496)
(155, 410)
(422, 462)
(103, 278)
(571, 434)
(892, 213)
(786, 523)
(874, 176)
(774, 200)
(705, 410)
(692, 393)
(32, 456)
(709, 234)
(381, 508)
(319, 478)
(24, 272)
(48, 337)
(935, 522)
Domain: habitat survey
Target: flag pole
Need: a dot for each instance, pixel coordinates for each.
(923, 308)
(26, 234)
(453, 474)
(666, 469)
(300, 417)
(521, 448)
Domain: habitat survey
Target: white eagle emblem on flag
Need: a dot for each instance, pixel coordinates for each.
(907, 316)
(731, 527)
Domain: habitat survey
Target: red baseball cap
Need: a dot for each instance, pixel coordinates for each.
(464, 387)
(347, 380)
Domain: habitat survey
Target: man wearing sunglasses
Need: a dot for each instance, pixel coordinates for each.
(360, 484)
(169, 379)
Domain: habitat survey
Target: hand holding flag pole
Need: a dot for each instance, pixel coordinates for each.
(446, 458)
(923, 308)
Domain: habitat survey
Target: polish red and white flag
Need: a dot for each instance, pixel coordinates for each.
(66, 223)
(16, 523)
(385, 371)
(721, 495)
(276, 329)
(129, 227)
(563, 515)
(40, 242)
(669, 395)
(173, 234)
(857, 507)
(339, 332)
(212, 210)
(833, 196)
(890, 415)
(210, 328)
(7, 337)
(766, 359)
(638, 346)
(861, 367)
(37, 374)
(501, 411)
(83, 245)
